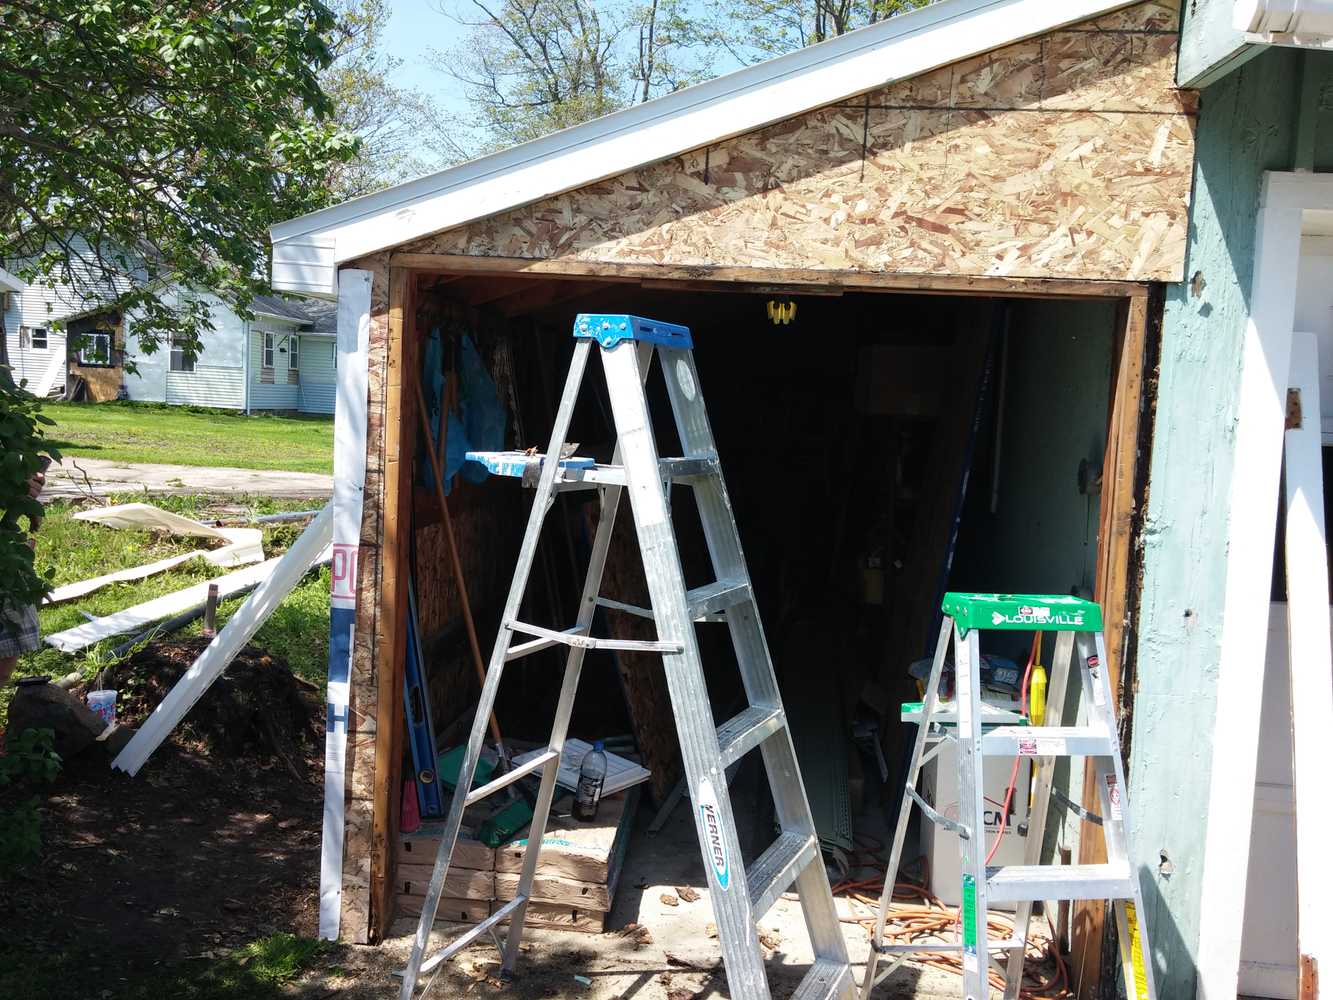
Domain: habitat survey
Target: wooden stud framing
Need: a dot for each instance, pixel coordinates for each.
(769, 279)
(1123, 469)
(399, 442)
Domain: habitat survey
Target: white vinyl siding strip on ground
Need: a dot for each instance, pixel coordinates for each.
(207, 386)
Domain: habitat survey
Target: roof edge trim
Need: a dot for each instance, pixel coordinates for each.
(308, 250)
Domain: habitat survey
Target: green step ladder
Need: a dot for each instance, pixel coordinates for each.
(982, 731)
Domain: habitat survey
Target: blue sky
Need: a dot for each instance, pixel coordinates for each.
(416, 27)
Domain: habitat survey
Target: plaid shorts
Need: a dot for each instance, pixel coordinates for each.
(19, 632)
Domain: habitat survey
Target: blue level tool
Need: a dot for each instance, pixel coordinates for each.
(420, 729)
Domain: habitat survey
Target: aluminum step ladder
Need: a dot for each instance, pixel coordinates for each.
(980, 731)
(741, 893)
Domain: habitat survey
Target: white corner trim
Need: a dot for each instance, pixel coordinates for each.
(307, 250)
(10, 282)
(1251, 526)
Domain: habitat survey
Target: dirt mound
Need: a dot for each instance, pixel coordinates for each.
(258, 707)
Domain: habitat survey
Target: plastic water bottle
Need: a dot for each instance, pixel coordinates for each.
(592, 775)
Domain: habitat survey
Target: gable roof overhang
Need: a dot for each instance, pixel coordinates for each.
(308, 250)
(11, 283)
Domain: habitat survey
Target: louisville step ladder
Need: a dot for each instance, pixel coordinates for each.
(981, 730)
(741, 894)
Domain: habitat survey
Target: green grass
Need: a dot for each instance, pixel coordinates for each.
(187, 435)
(76, 550)
(262, 970)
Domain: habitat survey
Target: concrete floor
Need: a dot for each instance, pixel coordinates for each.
(681, 961)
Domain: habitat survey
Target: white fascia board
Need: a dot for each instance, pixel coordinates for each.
(11, 283)
(308, 250)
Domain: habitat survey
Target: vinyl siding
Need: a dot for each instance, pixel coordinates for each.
(207, 386)
(319, 376)
(281, 394)
(29, 363)
(219, 375)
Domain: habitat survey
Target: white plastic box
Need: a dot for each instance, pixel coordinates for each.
(939, 787)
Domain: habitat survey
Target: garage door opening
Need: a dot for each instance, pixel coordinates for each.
(878, 449)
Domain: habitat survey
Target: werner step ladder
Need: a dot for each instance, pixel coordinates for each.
(741, 894)
(980, 731)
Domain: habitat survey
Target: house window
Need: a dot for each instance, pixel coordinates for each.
(34, 336)
(293, 360)
(268, 350)
(95, 349)
(180, 361)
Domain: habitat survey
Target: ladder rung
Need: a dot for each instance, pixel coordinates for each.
(825, 980)
(575, 637)
(466, 938)
(717, 596)
(1016, 883)
(1047, 741)
(537, 645)
(687, 470)
(777, 868)
(509, 777)
(917, 947)
(742, 733)
(946, 713)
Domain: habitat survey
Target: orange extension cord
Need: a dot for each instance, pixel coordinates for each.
(929, 919)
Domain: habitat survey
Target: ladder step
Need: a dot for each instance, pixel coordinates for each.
(579, 471)
(917, 947)
(465, 939)
(742, 733)
(1047, 741)
(825, 980)
(575, 637)
(1017, 883)
(777, 868)
(718, 596)
(512, 775)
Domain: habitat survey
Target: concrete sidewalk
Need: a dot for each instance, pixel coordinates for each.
(82, 477)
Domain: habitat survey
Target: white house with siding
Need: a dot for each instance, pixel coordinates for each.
(281, 359)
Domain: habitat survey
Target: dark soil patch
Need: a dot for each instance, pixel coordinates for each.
(213, 844)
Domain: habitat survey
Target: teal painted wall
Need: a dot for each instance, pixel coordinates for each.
(1247, 125)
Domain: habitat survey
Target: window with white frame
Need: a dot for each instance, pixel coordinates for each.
(180, 360)
(95, 349)
(269, 345)
(294, 353)
(34, 337)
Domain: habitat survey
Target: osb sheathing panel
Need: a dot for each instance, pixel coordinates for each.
(1068, 156)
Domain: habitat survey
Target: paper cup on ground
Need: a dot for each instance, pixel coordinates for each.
(104, 704)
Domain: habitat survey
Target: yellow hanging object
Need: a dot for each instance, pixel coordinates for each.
(781, 313)
(1037, 695)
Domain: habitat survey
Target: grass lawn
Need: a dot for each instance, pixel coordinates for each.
(180, 435)
(76, 550)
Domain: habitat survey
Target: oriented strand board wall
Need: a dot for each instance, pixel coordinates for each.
(1068, 155)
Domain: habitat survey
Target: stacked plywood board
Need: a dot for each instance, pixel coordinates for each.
(577, 871)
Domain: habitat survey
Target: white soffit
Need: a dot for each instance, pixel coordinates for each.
(1301, 23)
(308, 250)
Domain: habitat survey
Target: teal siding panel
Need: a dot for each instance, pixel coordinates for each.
(220, 387)
(319, 376)
(1247, 126)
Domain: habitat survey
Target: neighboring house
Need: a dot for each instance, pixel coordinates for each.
(281, 359)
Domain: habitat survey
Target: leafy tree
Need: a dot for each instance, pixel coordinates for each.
(145, 143)
(529, 67)
(753, 30)
(24, 453)
(401, 135)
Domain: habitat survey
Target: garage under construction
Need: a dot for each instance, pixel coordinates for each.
(920, 266)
